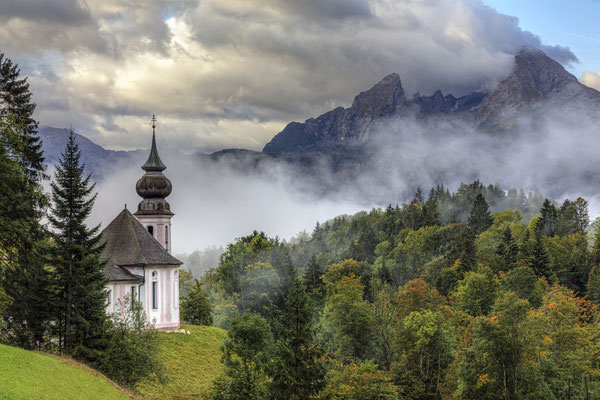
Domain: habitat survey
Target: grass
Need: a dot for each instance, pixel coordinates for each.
(32, 375)
(192, 362)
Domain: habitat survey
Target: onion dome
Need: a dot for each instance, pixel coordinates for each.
(153, 186)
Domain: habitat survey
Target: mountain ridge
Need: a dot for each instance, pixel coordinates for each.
(535, 78)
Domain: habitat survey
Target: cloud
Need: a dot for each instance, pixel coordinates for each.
(591, 79)
(234, 72)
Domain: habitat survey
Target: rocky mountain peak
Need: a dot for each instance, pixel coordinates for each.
(385, 98)
(535, 77)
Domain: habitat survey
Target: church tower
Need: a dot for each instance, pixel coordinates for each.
(154, 213)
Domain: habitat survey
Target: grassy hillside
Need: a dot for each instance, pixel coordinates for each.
(192, 362)
(30, 375)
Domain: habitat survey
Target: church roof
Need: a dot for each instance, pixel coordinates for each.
(129, 244)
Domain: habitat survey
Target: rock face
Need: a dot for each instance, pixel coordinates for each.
(535, 78)
(342, 125)
(354, 125)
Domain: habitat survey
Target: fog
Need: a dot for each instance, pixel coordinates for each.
(215, 202)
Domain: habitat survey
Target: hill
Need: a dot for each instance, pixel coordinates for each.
(191, 361)
(98, 160)
(21, 372)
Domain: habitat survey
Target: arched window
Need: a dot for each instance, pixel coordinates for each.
(151, 229)
(176, 288)
(154, 290)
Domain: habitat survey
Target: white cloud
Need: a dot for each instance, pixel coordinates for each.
(231, 73)
(591, 79)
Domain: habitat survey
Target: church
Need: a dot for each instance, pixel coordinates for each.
(138, 250)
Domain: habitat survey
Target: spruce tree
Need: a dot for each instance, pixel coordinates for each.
(508, 250)
(24, 280)
(15, 99)
(480, 218)
(80, 279)
(547, 224)
(195, 307)
(312, 275)
(539, 260)
(296, 370)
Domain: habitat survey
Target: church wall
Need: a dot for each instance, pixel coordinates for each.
(166, 315)
(117, 293)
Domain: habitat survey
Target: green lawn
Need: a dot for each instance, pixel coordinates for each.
(30, 375)
(192, 362)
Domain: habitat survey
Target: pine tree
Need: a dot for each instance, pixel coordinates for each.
(195, 307)
(508, 250)
(80, 279)
(312, 275)
(16, 98)
(480, 218)
(296, 370)
(539, 260)
(24, 280)
(547, 224)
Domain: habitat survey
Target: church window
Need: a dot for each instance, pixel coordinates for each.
(108, 297)
(132, 294)
(154, 290)
(154, 295)
(176, 289)
(167, 237)
(151, 229)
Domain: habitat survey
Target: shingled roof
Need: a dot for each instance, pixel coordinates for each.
(129, 244)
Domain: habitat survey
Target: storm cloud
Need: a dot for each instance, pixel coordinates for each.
(232, 73)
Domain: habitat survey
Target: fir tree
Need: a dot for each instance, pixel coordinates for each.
(539, 260)
(312, 275)
(296, 370)
(15, 95)
(480, 219)
(508, 250)
(547, 224)
(195, 307)
(80, 275)
(24, 281)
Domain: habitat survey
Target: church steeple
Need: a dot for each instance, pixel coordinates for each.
(153, 186)
(154, 162)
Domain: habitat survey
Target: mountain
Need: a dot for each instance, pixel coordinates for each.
(98, 160)
(535, 79)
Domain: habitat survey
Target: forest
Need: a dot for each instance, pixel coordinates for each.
(478, 294)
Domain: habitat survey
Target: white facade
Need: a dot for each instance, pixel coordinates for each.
(159, 295)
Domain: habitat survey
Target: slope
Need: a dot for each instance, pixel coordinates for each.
(191, 363)
(31, 375)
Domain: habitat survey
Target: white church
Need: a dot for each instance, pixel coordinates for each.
(138, 250)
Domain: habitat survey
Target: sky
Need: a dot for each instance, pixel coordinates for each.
(232, 73)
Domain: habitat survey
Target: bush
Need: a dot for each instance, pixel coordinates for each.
(132, 349)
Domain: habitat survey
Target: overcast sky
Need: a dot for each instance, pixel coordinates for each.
(232, 73)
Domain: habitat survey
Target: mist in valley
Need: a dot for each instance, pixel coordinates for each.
(216, 201)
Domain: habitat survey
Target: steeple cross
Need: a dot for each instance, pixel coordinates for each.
(153, 123)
